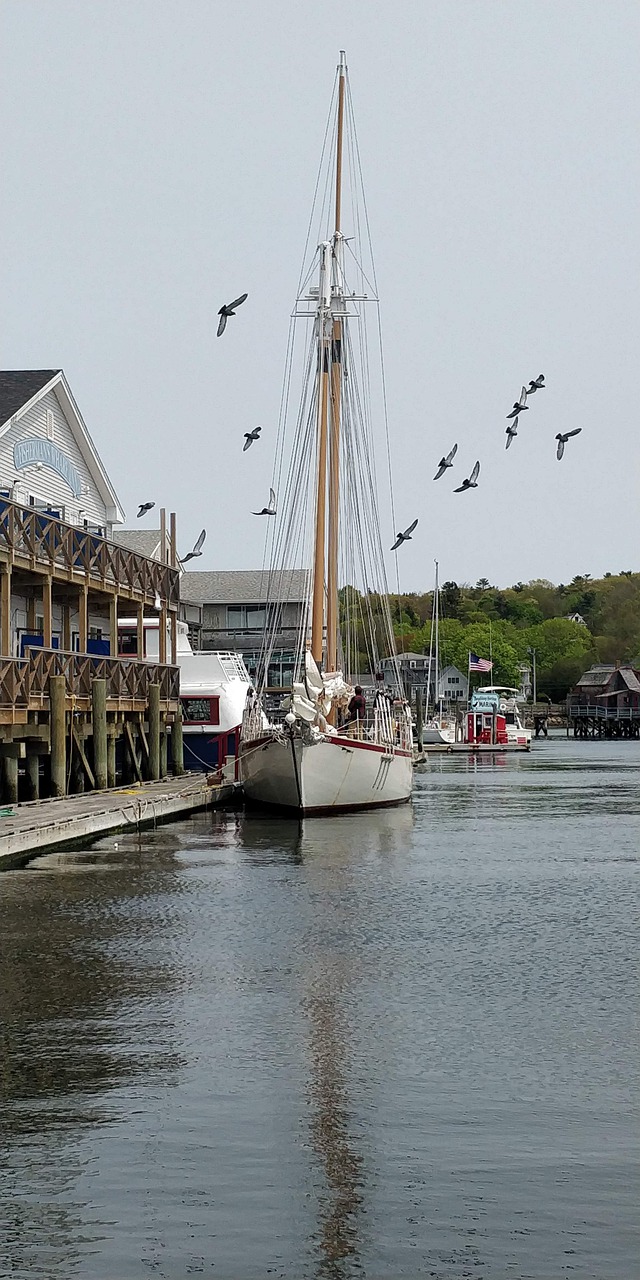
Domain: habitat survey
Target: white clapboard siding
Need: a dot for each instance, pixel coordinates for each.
(44, 484)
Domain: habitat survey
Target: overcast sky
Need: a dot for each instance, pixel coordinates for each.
(159, 158)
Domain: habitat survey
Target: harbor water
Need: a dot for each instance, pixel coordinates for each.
(395, 1044)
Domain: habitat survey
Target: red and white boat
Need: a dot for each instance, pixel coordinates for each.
(307, 761)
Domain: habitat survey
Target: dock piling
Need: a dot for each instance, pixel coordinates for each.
(99, 708)
(177, 746)
(57, 696)
(154, 731)
(32, 766)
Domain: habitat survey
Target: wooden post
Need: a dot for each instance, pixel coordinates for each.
(83, 622)
(163, 747)
(66, 627)
(136, 772)
(162, 635)
(113, 626)
(174, 637)
(58, 732)
(33, 775)
(5, 611)
(99, 712)
(419, 718)
(10, 771)
(177, 745)
(163, 535)
(47, 629)
(154, 731)
(111, 759)
(173, 553)
(140, 631)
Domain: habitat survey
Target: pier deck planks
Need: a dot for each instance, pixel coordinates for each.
(48, 824)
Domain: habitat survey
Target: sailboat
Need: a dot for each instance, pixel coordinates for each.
(316, 755)
(441, 728)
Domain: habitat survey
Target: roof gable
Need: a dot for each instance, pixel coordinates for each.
(19, 386)
(39, 382)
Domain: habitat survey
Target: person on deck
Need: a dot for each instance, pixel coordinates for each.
(357, 710)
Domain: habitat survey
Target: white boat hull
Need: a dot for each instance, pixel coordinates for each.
(328, 776)
(440, 734)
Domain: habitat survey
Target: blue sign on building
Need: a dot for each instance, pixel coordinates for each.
(35, 449)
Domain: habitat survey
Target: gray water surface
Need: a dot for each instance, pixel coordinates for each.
(398, 1044)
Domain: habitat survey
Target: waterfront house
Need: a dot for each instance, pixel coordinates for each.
(608, 686)
(454, 685)
(62, 582)
(414, 672)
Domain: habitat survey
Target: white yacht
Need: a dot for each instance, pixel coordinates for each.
(214, 685)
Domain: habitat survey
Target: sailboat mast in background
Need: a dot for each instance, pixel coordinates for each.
(329, 400)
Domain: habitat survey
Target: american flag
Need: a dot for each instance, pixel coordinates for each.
(479, 664)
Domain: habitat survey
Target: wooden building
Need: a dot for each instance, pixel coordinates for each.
(66, 697)
(605, 702)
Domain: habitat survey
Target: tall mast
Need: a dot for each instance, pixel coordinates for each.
(324, 304)
(336, 388)
(438, 698)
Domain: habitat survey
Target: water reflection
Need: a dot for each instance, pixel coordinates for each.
(339, 1237)
(75, 1026)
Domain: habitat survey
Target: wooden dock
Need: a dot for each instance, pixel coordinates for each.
(27, 830)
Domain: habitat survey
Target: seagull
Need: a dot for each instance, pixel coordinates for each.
(144, 507)
(404, 537)
(562, 440)
(271, 509)
(229, 310)
(197, 549)
(472, 482)
(446, 462)
(512, 430)
(536, 384)
(520, 405)
(249, 437)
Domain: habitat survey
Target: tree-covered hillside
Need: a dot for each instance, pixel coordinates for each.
(532, 615)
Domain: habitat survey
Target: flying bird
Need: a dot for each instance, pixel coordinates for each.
(229, 310)
(562, 440)
(249, 437)
(271, 509)
(536, 384)
(404, 537)
(144, 507)
(472, 482)
(520, 405)
(512, 430)
(446, 462)
(197, 549)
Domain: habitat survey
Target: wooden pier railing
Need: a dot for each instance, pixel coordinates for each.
(37, 539)
(24, 682)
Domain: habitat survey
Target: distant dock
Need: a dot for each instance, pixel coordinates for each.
(27, 830)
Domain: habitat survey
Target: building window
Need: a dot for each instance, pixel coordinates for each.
(201, 710)
(50, 424)
(249, 617)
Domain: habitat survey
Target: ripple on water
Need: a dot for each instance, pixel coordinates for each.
(403, 1043)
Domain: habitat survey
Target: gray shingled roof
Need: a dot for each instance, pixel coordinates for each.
(596, 675)
(244, 586)
(145, 542)
(630, 678)
(18, 386)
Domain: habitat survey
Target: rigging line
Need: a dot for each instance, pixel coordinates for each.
(330, 119)
(279, 449)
